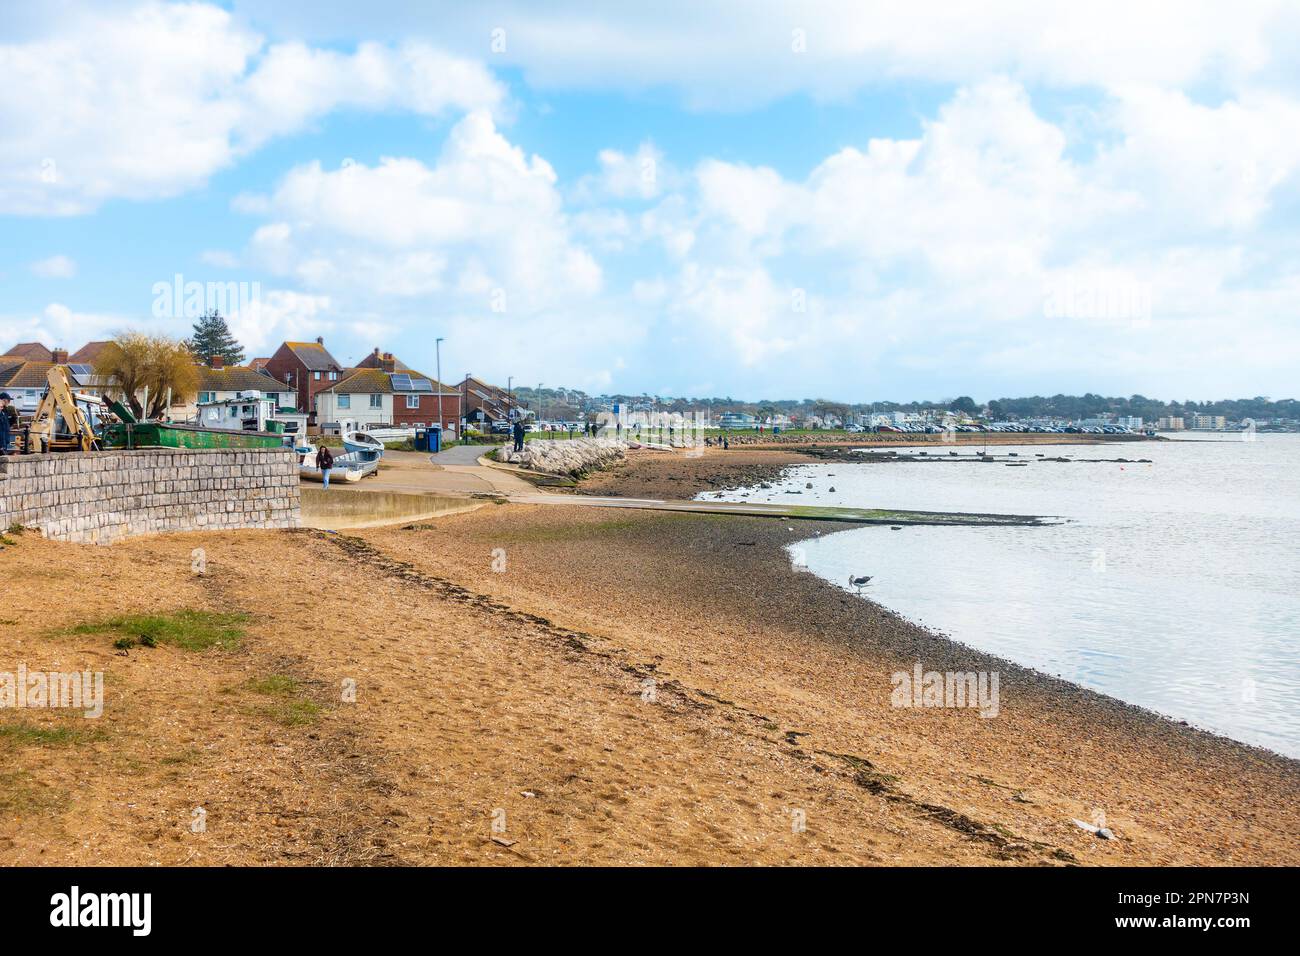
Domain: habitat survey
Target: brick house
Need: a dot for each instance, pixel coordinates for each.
(306, 368)
(391, 394)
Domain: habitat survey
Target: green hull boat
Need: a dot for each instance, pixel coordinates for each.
(164, 435)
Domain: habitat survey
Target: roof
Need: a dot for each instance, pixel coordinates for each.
(372, 381)
(258, 364)
(23, 374)
(237, 378)
(313, 355)
(32, 351)
(88, 354)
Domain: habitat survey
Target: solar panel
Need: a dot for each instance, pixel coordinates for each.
(401, 382)
(421, 385)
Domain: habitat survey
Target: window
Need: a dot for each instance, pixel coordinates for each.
(376, 401)
(205, 397)
(345, 401)
(274, 397)
(316, 375)
(412, 401)
(334, 376)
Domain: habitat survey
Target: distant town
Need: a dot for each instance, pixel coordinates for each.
(305, 380)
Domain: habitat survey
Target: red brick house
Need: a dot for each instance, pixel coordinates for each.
(391, 394)
(306, 368)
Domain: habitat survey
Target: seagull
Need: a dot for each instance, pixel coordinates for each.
(859, 583)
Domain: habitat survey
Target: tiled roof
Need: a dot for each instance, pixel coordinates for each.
(32, 351)
(313, 355)
(22, 374)
(88, 354)
(237, 378)
(370, 381)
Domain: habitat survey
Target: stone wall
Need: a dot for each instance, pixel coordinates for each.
(101, 497)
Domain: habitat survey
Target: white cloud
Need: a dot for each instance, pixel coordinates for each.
(484, 217)
(279, 315)
(725, 54)
(55, 267)
(151, 100)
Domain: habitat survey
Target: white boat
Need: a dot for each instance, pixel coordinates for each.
(363, 444)
(347, 468)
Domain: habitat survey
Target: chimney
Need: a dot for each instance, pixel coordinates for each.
(216, 363)
(60, 356)
(388, 363)
(320, 340)
(376, 351)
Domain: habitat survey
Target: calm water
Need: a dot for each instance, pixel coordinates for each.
(1174, 585)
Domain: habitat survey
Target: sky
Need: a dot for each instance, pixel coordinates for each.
(847, 200)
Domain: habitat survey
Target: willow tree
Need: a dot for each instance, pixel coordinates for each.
(146, 372)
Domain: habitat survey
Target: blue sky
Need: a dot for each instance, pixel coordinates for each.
(848, 200)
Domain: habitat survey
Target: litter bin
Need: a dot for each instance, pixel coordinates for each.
(435, 439)
(421, 439)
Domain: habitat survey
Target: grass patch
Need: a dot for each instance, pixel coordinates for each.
(19, 796)
(188, 630)
(58, 735)
(288, 704)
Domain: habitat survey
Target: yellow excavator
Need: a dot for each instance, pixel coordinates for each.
(64, 420)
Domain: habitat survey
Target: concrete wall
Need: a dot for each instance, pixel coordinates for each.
(102, 497)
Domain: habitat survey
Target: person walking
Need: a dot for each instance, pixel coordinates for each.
(324, 461)
(518, 432)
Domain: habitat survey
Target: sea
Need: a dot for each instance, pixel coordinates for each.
(1172, 583)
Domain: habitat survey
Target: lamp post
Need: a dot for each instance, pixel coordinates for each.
(437, 349)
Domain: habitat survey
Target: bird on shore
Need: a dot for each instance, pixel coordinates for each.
(859, 582)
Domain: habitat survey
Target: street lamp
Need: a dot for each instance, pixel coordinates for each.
(437, 348)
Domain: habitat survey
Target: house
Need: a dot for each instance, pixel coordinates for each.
(31, 351)
(486, 403)
(373, 397)
(307, 368)
(220, 382)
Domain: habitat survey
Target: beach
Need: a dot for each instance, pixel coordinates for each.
(550, 685)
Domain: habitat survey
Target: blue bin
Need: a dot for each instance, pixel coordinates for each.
(421, 439)
(434, 439)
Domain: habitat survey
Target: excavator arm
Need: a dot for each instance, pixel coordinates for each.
(59, 423)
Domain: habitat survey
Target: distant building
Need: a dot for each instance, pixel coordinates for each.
(486, 403)
(737, 420)
(1130, 421)
(1209, 423)
(1170, 423)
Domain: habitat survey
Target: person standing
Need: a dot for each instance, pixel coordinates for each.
(518, 432)
(8, 422)
(324, 461)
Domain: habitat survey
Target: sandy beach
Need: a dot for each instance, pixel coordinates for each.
(573, 686)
